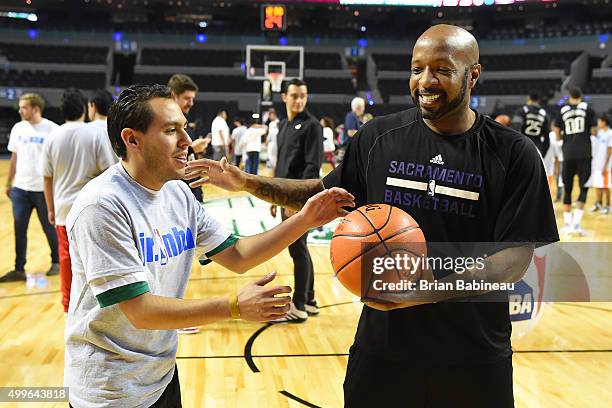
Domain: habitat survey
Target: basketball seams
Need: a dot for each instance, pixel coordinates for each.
(395, 234)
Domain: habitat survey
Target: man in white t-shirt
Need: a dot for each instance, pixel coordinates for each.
(220, 135)
(251, 142)
(24, 184)
(73, 155)
(237, 135)
(272, 142)
(134, 233)
(600, 165)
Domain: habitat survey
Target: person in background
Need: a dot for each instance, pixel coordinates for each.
(329, 147)
(24, 184)
(237, 136)
(353, 119)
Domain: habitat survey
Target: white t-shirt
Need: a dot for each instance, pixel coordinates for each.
(73, 154)
(252, 139)
(600, 144)
(219, 127)
(273, 142)
(237, 135)
(328, 140)
(26, 140)
(126, 240)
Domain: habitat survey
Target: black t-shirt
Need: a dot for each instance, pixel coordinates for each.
(300, 147)
(499, 194)
(576, 122)
(532, 121)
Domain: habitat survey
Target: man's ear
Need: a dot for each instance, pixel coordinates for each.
(475, 74)
(284, 96)
(130, 139)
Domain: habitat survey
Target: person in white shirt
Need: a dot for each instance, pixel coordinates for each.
(134, 233)
(73, 155)
(328, 140)
(251, 142)
(600, 167)
(272, 144)
(220, 135)
(24, 184)
(237, 137)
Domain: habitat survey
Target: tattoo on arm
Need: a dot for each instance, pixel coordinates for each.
(287, 193)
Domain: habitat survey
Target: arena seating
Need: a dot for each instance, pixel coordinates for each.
(54, 53)
(52, 79)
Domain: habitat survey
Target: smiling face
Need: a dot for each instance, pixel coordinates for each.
(164, 145)
(444, 69)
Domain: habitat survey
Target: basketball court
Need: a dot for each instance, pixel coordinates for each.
(563, 358)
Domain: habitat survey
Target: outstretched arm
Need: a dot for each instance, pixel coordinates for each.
(287, 193)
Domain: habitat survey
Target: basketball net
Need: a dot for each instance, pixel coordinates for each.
(276, 80)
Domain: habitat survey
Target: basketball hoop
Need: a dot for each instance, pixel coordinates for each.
(276, 80)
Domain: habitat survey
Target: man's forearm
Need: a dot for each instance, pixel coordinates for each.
(286, 193)
(506, 266)
(152, 312)
(48, 193)
(12, 169)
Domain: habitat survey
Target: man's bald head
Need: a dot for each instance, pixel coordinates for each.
(453, 40)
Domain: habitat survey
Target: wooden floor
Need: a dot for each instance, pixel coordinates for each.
(565, 361)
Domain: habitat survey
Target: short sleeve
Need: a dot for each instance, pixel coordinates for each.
(527, 213)
(212, 237)
(102, 243)
(13, 144)
(46, 167)
(351, 173)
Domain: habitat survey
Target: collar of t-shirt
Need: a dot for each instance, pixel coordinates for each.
(302, 116)
(124, 173)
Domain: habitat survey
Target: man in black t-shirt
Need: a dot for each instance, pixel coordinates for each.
(300, 152)
(464, 178)
(576, 121)
(532, 121)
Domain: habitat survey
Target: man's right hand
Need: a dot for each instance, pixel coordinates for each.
(8, 191)
(258, 303)
(218, 173)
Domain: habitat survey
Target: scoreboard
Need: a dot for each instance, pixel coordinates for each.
(273, 17)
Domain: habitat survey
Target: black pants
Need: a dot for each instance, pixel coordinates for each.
(171, 397)
(23, 203)
(376, 381)
(303, 271)
(580, 167)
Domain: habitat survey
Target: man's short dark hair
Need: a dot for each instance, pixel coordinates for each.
(132, 110)
(73, 104)
(575, 92)
(534, 95)
(239, 120)
(604, 118)
(180, 83)
(102, 99)
(293, 81)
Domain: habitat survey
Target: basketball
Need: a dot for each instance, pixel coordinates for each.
(370, 233)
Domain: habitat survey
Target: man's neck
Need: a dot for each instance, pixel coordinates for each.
(141, 175)
(454, 124)
(573, 101)
(35, 120)
(97, 116)
(292, 115)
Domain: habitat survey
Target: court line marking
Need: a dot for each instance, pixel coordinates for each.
(346, 354)
(298, 399)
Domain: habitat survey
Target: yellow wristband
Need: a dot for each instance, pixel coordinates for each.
(234, 309)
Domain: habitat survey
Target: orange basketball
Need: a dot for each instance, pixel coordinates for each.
(369, 234)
